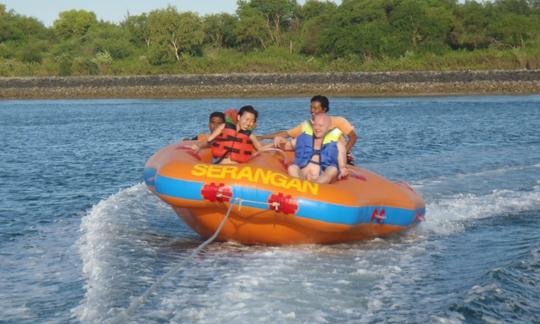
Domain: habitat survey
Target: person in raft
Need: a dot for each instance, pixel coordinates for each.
(320, 155)
(216, 118)
(320, 104)
(234, 142)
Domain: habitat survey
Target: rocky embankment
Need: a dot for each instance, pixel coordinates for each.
(257, 85)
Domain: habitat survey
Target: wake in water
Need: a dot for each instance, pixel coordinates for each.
(131, 239)
(121, 247)
(452, 214)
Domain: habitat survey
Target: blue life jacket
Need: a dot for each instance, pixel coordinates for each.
(304, 151)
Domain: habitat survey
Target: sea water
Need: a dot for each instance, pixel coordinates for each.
(81, 236)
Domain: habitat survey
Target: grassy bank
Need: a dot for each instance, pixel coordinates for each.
(279, 60)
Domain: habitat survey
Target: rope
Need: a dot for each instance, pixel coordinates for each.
(139, 301)
(241, 201)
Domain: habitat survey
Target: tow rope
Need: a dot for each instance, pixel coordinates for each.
(136, 303)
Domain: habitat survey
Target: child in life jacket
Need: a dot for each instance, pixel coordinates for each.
(234, 142)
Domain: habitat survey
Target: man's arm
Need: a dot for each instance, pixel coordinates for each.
(216, 132)
(290, 145)
(347, 129)
(352, 137)
(199, 145)
(293, 132)
(257, 144)
(271, 136)
(342, 160)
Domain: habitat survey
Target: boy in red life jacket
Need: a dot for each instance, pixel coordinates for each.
(233, 143)
(320, 155)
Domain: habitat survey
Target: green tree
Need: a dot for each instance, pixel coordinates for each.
(511, 24)
(67, 48)
(32, 52)
(23, 38)
(103, 60)
(110, 38)
(178, 32)
(511, 30)
(471, 29)
(311, 32)
(73, 23)
(219, 29)
(314, 8)
(358, 27)
(518, 7)
(84, 65)
(421, 25)
(64, 65)
(138, 29)
(277, 14)
(251, 30)
(14, 27)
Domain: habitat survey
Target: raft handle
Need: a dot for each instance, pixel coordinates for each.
(283, 203)
(216, 192)
(378, 216)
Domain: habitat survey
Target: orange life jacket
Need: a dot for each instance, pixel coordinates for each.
(236, 144)
(202, 137)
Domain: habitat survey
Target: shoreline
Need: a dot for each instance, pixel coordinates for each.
(249, 85)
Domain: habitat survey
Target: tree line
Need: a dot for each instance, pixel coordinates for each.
(278, 36)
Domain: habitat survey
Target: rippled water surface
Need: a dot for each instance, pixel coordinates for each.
(81, 236)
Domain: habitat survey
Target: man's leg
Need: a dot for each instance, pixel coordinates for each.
(294, 170)
(310, 172)
(329, 175)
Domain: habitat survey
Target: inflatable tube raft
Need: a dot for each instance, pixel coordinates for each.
(273, 208)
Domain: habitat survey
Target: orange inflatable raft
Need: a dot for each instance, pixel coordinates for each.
(272, 208)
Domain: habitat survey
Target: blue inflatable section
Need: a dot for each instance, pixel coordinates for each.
(149, 176)
(307, 208)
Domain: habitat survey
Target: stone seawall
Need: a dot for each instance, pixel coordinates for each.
(258, 85)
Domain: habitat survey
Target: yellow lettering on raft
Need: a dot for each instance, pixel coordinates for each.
(262, 176)
(229, 171)
(245, 173)
(312, 186)
(278, 180)
(295, 183)
(199, 170)
(258, 175)
(215, 171)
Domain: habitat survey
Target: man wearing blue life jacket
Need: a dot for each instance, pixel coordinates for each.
(320, 155)
(320, 104)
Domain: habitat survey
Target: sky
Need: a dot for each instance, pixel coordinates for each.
(113, 10)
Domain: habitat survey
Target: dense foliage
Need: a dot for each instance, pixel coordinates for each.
(279, 36)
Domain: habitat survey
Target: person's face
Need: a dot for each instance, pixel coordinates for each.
(214, 123)
(320, 127)
(316, 108)
(246, 121)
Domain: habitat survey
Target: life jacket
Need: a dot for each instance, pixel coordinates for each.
(236, 144)
(202, 137)
(231, 116)
(305, 151)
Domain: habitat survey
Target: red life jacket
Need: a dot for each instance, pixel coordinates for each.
(236, 144)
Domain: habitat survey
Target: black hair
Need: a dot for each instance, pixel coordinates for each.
(218, 114)
(325, 104)
(248, 109)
